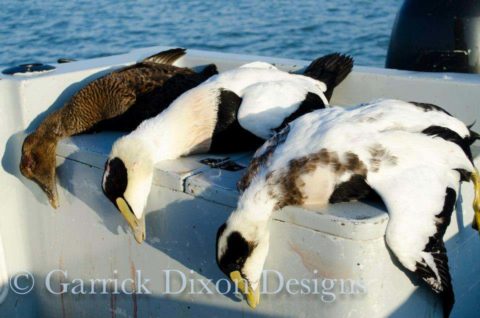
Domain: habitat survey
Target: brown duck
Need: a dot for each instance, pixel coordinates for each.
(120, 100)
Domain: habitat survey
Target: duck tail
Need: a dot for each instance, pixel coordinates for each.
(473, 135)
(209, 71)
(330, 69)
(448, 300)
(166, 57)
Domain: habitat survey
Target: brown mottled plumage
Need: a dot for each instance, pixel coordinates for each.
(290, 180)
(120, 100)
(262, 158)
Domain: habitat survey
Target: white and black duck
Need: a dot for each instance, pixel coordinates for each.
(225, 113)
(413, 155)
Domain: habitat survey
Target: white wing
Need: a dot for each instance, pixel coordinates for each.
(266, 105)
(259, 64)
(420, 191)
(240, 78)
(420, 202)
(387, 114)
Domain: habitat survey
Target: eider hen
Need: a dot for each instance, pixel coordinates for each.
(413, 155)
(225, 113)
(117, 101)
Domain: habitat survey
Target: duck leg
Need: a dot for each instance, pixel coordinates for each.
(476, 202)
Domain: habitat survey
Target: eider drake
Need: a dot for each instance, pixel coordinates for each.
(269, 98)
(223, 114)
(412, 155)
(117, 101)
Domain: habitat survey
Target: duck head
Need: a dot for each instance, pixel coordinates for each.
(38, 164)
(127, 181)
(242, 248)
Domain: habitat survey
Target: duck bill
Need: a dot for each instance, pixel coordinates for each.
(50, 190)
(45, 174)
(137, 225)
(251, 295)
(52, 196)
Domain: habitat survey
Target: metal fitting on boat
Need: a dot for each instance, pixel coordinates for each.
(28, 68)
(63, 60)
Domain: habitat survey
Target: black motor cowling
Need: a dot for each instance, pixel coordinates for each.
(436, 36)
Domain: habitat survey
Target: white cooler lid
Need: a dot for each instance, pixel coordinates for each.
(356, 220)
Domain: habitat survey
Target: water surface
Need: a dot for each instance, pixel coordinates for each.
(47, 30)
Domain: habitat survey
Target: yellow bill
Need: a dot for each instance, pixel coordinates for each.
(252, 296)
(137, 225)
(476, 201)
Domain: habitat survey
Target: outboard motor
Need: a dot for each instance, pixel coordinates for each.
(436, 36)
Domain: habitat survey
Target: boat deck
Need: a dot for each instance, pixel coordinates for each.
(87, 237)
